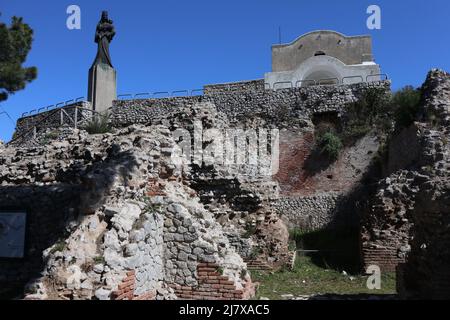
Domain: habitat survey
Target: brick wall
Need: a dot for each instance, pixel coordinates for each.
(386, 258)
(426, 271)
(213, 286)
(126, 290)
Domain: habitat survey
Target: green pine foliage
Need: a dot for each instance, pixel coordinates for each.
(15, 44)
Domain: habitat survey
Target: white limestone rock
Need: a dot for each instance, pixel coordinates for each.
(103, 294)
(126, 217)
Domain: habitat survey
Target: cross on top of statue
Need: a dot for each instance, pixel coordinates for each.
(103, 36)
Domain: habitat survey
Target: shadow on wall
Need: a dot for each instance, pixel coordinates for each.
(337, 249)
(54, 211)
(338, 243)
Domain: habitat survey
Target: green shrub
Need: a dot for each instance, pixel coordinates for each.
(151, 207)
(99, 260)
(405, 102)
(256, 251)
(51, 135)
(250, 230)
(98, 125)
(330, 145)
(296, 234)
(58, 247)
(219, 270)
(48, 137)
(371, 111)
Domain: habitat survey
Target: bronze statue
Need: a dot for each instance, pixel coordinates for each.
(103, 36)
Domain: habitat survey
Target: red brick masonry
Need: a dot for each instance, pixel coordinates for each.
(214, 286)
(125, 291)
(211, 286)
(386, 258)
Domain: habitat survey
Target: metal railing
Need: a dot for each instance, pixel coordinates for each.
(329, 82)
(7, 115)
(53, 106)
(282, 83)
(141, 95)
(381, 75)
(161, 94)
(198, 92)
(326, 82)
(352, 77)
(80, 116)
(300, 82)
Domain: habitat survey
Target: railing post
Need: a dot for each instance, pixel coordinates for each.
(76, 117)
(62, 116)
(34, 133)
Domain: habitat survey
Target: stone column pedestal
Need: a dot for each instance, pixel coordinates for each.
(102, 90)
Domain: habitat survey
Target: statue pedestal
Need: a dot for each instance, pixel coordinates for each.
(102, 90)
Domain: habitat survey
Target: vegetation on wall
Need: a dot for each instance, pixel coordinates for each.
(372, 111)
(375, 111)
(405, 104)
(330, 145)
(98, 125)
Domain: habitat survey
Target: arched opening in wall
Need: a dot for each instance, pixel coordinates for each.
(322, 77)
(327, 121)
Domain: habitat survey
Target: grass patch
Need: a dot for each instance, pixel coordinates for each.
(99, 260)
(99, 124)
(321, 273)
(250, 230)
(219, 270)
(58, 247)
(338, 248)
(48, 137)
(151, 207)
(307, 278)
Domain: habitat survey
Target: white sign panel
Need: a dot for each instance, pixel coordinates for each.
(12, 234)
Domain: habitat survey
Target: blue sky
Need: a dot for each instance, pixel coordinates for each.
(174, 45)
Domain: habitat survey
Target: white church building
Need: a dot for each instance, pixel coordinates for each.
(320, 58)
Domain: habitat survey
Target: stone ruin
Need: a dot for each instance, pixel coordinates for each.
(113, 216)
(406, 227)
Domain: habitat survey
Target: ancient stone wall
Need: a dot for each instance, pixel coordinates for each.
(237, 203)
(251, 85)
(249, 105)
(243, 102)
(406, 224)
(386, 225)
(308, 213)
(110, 219)
(425, 271)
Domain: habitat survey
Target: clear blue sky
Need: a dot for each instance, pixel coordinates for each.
(172, 45)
